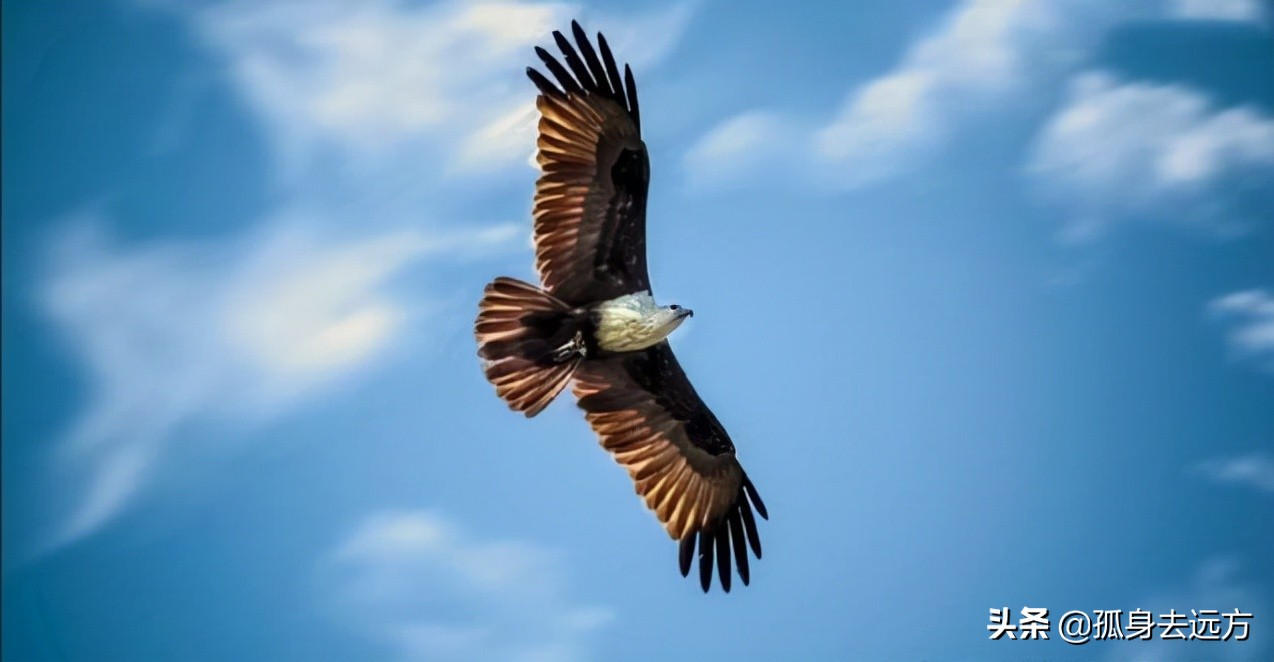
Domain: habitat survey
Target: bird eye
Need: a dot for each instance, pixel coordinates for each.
(675, 307)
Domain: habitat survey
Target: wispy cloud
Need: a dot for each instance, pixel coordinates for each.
(985, 51)
(985, 56)
(980, 55)
(1251, 316)
(1245, 11)
(425, 589)
(1222, 583)
(251, 326)
(379, 103)
(1159, 153)
(1254, 470)
(748, 144)
(374, 79)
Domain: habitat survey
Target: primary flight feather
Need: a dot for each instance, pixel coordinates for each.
(595, 322)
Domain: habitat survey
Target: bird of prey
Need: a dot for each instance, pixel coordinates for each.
(595, 323)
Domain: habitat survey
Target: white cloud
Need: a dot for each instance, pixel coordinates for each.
(1254, 470)
(984, 51)
(248, 327)
(750, 142)
(1251, 312)
(372, 79)
(886, 125)
(179, 334)
(423, 588)
(984, 56)
(502, 139)
(1160, 153)
(1247, 11)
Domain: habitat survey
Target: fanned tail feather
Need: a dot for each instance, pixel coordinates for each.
(529, 341)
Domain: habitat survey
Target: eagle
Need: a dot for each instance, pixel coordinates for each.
(593, 321)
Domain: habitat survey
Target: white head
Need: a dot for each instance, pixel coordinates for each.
(667, 318)
(633, 322)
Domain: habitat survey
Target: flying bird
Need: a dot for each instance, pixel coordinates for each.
(595, 323)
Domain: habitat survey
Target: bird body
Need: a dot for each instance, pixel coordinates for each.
(594, 324)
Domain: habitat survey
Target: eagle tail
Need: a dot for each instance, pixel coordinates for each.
(530, 342)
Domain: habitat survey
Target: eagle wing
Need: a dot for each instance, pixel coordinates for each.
(590, 200)
(648, 416)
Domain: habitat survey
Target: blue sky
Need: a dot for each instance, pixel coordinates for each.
(983, 291)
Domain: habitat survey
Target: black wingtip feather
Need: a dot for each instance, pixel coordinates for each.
(723, 556)
(631, 88)
(749, 528)
(740, 551)
(705, 561)
(559, 72)
(686, 554)
(574, 62)
(543, 84)
(585, 73)
(612, 71)
(755, 498)
(590, 58)
(722, 545)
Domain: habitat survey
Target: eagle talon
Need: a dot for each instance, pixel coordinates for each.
(572, 349)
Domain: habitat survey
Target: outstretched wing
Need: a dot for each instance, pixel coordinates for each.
(649, 417)
(590, 201)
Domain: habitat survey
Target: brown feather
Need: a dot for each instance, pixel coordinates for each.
(696, 494)
(585, 129)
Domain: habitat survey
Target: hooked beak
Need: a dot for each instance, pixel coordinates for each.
(685, 312)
